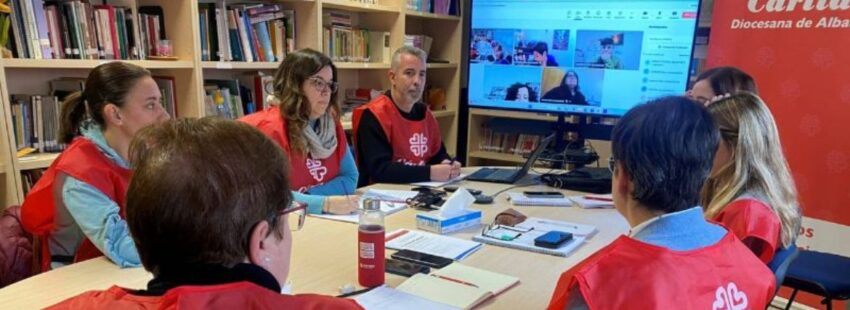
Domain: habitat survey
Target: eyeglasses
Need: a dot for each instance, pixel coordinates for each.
(502, 232)
(295, 220)
(612, 163)
(323, 86)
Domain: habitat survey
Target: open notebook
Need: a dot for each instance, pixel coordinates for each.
(458, 285)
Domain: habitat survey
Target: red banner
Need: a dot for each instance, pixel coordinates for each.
(797, 51)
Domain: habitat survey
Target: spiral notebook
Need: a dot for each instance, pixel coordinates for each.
(535, 227)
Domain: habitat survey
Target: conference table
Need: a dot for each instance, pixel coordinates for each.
(324, 256)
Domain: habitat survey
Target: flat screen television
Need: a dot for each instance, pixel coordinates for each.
(597, 57)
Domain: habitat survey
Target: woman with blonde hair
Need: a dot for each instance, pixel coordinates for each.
(750, 189)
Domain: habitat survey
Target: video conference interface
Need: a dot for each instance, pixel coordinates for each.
(579, 56)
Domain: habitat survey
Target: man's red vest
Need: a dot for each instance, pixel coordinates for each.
(413, 142)
(238, 295)
(630, 274)
(304, 171)
(751, 218)
(83, 161)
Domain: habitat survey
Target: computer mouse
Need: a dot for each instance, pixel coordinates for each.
(483, 199)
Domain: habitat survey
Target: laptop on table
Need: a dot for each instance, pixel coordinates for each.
(510, 176)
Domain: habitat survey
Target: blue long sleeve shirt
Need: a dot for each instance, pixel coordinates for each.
(343, 184)
(97, 215)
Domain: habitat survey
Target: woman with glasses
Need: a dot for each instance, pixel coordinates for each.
(306, 125)
(720, 81)
(207, 215)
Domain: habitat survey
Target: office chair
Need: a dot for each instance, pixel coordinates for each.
(822, 274)
(780, 262)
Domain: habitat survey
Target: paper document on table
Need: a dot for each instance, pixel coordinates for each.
(389, 298)
(520, 199)
(425, 242)
(392, 201)
(441, 184)
(593, 201)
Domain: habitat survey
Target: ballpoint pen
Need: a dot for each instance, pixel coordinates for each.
(454, 280)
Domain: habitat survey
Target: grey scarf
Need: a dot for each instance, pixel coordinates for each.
(321, 141)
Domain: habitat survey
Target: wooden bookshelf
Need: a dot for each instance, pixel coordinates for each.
(361, 65)
(415, 14)
(354, 6)
(182, 27)
(238, 65)
(36, 161)
(89, 64)
(503, 157)
(442, 66)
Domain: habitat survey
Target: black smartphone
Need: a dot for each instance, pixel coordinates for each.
(422, 258)
(452, 189)
(553, 239)
(543, 194)
(405, 269)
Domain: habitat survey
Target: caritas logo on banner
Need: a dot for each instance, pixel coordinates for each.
(798, 51)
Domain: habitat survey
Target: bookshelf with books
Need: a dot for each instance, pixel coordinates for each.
(441, 36)
(193, 70)
(29, 81)
(499, 137)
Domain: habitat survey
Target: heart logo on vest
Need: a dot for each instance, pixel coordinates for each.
(729, 298)
(418, 144)
(317, 170)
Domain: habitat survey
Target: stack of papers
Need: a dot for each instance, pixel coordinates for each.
(388, 298)
(520, 199)
(392, 201)
(425, 242)
(456, 286)
(441, 184)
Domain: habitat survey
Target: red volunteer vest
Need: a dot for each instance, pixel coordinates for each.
(83, 161)
(751, 218)
(238, 295)
(304, 171)
(629, 274)
(413, 142)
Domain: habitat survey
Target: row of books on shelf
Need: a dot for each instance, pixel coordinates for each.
(76, 29)
(420, 41)
(232, 99)
(356, 97)
(356, 45)
(444, 7)
(245, 32)
(509, 143)
(36, 118)
(30, 177)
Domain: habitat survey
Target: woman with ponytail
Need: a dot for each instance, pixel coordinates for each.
(77, 207)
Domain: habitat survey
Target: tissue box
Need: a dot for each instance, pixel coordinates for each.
(434, 222)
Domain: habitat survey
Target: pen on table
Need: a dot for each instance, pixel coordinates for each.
(357, 292)
(454, 280)
(597, 198)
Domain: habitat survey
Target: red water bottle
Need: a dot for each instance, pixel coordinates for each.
(370, 244)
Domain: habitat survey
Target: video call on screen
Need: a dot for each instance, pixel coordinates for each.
(578, 56)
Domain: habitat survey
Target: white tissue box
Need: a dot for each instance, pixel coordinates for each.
(436, 223)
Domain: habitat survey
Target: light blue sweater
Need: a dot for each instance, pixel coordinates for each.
(98, 216)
